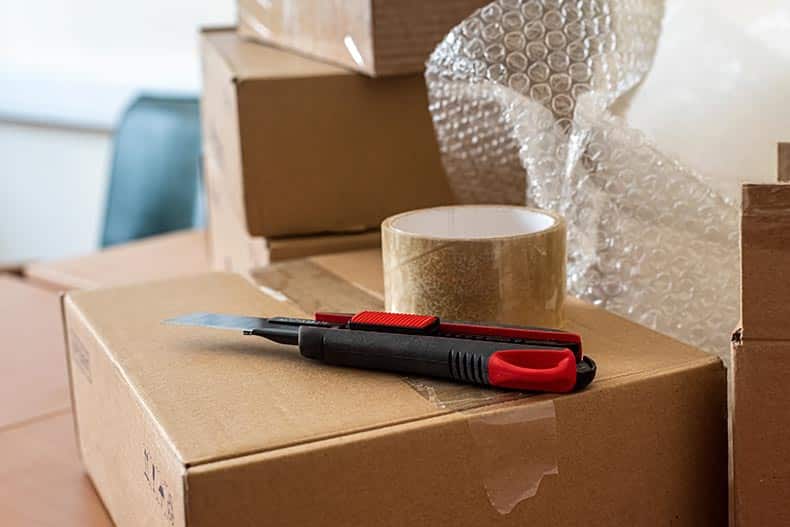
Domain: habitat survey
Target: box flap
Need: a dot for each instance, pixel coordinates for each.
(250, 60)
(236, 395)
(157, 257)
(32, 356)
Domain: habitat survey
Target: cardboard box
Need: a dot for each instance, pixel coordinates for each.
(42, 478)
(33, 379)
(183, 426)
(307, 148)
(760, 491)
(234, 249)
(169, 255)
(376, 37)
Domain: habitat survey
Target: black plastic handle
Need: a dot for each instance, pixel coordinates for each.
(536, 368)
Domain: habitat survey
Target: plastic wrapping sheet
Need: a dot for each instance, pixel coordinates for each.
(513, 473)
(522, 94)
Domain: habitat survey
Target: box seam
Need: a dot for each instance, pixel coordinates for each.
(63, 299)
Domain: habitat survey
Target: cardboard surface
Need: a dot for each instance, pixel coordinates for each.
(765, 261)
(301, 147)
(761, 416)
(242, 430)
(234, 249)
(375, 37)
(42, 480)
(760, 490)
(169, 255)
(33, 379)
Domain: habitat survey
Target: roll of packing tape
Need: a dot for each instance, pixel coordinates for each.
(483, 263)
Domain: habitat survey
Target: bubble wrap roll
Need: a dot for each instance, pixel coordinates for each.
(483, 263)
(520, 94)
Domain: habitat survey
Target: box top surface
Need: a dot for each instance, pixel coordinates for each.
(32, 355)
(219, 395)
(157, 257)
(249, 60)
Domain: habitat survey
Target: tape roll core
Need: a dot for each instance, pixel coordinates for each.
(472, 222)
(485, 263)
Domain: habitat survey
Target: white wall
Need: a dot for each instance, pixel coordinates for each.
(75, 64)
(53, 183)
(78, 60)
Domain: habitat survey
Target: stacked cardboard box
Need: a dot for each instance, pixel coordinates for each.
(376, 37)
(760, 351)
(299, 149)
(168, 255)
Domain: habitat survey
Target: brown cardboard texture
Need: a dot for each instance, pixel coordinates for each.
(192, 426)
(164, 256)
(303, 147)
(765, 261)
(376, 37)
(234, 249)
(760, 490)
(33, 379)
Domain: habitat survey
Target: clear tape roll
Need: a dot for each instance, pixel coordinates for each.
(485, 263)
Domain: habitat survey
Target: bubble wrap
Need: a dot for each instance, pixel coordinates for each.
(520, 94)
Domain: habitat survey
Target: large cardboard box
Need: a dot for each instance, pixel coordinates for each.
(183, 426)
(33, 380)
(376, 37)
(165, 256)
(305, 148)
(234, 249)
(761, 362)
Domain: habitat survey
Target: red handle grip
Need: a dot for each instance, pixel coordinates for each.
(533, 370)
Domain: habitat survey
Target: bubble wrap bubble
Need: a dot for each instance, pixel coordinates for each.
(519, 94)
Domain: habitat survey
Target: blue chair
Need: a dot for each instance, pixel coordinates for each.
(155, 183)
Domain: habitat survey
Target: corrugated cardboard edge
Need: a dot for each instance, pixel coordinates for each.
(304, 246)
(52, 279)
(62, 300)
(180, 252)
(13, 268)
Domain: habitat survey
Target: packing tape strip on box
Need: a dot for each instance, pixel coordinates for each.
(507, 477)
